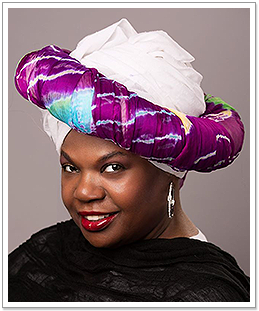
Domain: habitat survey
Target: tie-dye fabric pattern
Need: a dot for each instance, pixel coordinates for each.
(90, 103)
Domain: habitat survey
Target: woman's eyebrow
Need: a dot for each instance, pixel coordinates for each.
(102, 159)
(110, 155)
(65, 155)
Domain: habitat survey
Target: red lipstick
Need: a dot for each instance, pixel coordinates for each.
(97, 223)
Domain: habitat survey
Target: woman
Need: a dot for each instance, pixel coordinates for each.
(125, 146)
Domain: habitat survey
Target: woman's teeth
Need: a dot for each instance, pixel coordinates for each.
(96, 217)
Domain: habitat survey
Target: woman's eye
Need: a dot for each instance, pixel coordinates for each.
(111, 168)
(69, 168)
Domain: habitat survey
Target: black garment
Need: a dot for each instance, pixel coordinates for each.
(58, 264)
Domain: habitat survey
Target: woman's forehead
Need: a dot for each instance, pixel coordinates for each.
(77, 147)
(77, 139)
(79, 143)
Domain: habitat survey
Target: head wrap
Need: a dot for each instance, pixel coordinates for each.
(137, 90)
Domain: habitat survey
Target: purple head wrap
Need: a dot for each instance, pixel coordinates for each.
(90, 103)
(171, 123)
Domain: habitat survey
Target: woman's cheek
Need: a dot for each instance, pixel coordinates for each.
(66, 193)
(125, 191)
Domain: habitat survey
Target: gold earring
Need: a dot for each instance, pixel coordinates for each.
(171, 201)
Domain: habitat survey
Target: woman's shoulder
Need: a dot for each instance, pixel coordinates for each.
(32, 266)
(41, 242)
(54, 232)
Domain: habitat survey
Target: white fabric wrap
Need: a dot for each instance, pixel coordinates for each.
(150, 64)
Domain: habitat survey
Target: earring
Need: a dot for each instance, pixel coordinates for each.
(171, 201)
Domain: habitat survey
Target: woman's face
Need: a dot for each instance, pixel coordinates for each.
(114, 196)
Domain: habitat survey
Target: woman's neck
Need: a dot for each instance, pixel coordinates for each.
(179, 225)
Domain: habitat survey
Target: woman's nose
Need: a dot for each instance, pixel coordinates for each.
(88, 189)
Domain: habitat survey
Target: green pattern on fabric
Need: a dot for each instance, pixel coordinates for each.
(217, 101)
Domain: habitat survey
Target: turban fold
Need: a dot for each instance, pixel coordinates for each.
(150, 64)
(82, 98)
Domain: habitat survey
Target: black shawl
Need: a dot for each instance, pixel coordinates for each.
(58, 264)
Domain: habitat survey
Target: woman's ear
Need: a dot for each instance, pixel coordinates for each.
(175, 180)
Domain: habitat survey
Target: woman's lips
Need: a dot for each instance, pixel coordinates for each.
(96, 221)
